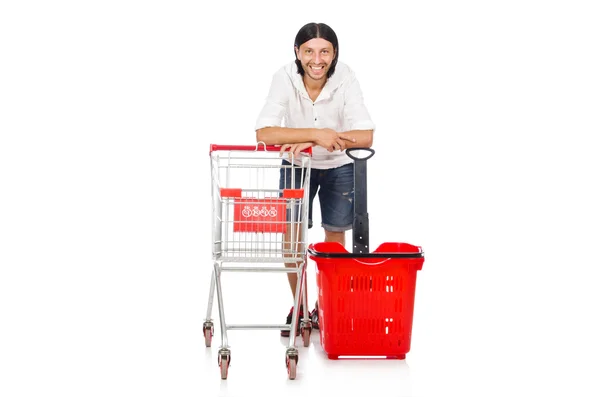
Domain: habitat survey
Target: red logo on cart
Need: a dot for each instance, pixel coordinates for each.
(259, 215)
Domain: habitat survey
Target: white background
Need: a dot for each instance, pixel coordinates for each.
(485, 157)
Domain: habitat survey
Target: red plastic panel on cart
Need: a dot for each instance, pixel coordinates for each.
(230, 192)
(259, 215)
(293, 193)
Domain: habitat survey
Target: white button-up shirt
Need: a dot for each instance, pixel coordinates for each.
(339, 107)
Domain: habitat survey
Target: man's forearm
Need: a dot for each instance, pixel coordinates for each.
(363, 138)
(282, 135)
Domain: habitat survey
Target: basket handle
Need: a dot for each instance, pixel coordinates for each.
(360, 224)
(358, 149)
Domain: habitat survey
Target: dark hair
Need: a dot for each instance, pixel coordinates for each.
(316, 31)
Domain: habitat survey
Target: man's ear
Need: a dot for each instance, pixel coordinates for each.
(296, 49)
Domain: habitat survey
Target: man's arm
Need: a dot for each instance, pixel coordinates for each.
(362, 138)
(325, 137)
(282, 135)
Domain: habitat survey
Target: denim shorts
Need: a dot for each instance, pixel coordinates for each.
(336, 194)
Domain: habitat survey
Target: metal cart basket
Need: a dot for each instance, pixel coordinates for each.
(257, 222)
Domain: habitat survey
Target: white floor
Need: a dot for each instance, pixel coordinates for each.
(258, 368)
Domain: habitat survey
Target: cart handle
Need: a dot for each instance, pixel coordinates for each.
(253, 148)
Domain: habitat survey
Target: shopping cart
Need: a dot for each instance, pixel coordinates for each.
(366, 299)
(256, 224)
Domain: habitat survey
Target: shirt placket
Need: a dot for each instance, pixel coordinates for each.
(313, 105)
(318, 109)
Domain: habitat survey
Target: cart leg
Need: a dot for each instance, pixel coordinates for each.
(211, 295)
(208, 326)
(305, 324)
(305, 312)
(217, 275)
(299, 298)
(294, 324)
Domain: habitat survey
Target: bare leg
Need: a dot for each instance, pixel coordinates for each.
(339, 237)
(292, 278)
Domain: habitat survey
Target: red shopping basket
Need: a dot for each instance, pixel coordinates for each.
(366, 300)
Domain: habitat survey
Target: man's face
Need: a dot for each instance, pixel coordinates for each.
(316, 56)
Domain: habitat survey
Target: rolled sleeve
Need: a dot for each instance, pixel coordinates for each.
(355, 112)
(274, 109)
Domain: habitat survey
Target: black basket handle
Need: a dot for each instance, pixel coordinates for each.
(360, 225)
(354, 149)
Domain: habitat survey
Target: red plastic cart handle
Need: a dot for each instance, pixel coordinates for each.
(252, 148)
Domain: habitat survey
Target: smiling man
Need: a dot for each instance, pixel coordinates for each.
(316, 101)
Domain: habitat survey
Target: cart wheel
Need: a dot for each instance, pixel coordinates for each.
(208, 330)
(207, 336)
(291, 363)
(224, 361)
(306, 336)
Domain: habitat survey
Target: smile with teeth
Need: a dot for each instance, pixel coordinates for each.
(317, 68)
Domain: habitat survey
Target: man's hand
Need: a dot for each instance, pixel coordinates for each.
(331, 140)
(294, 148)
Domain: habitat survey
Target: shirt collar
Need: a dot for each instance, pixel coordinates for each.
(330, 86)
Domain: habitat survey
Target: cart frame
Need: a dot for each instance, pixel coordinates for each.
(248, 233)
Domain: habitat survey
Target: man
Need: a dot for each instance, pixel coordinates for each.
(317, 102)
